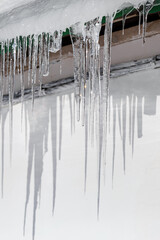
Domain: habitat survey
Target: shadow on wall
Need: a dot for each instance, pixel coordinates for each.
(130, 98)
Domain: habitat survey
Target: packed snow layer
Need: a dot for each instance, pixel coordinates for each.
(25, 17)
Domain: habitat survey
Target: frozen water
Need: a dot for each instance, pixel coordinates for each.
(98, 108)
(33, 51)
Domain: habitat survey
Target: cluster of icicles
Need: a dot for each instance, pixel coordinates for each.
(33, 52)
(26, 52)
(91, 88)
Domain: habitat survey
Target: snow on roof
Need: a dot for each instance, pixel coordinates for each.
(25, 17)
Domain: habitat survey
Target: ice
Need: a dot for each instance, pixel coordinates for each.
(147, 6)
(45, 55)
(92, 101)
(34, 65)
(29, 59)
(125, 14)
(85, 39)
(56, 41)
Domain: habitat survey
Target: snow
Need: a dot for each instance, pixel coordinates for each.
(34, 17)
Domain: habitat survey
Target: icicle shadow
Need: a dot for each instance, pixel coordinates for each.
(37, 139)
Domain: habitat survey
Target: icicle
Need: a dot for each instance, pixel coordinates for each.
(21, 70)
(29, 59)
(34, 65)
(107, 51)
(40, 63)
(76, 41)
(146, 8)
(123, 23)
(7, 65)
(126, 12)
(82, 73)
(3, 67)
(14, 66)
(24, 40)
(56, 41)
(11, 92)
(144, 25)
(2, 75)
(106, 76)
(23, 63)
(79, 37)
(21, 77)
(60, 52)
(92, 52)
(45, 57)
(18, 53)
(139, 24)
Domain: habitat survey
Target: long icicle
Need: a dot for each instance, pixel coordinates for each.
(34, 66)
